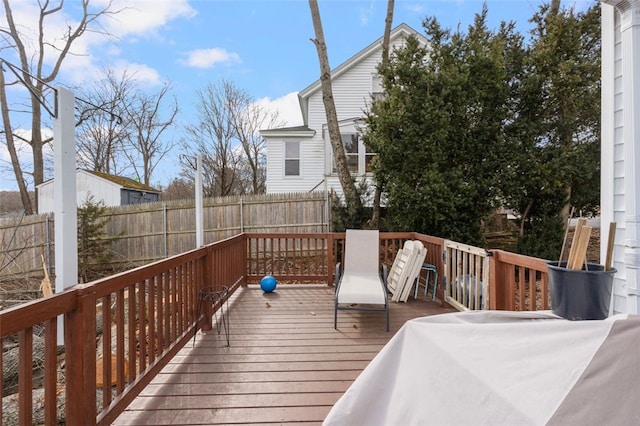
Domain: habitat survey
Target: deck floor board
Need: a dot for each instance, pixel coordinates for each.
(285, 364)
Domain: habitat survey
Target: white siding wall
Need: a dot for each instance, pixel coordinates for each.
(86, 184)
(612, 169)
(100, 189)
(45, 197)
(311, 166)
(352, 94)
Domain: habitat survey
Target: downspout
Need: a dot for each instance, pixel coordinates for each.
(630, 31)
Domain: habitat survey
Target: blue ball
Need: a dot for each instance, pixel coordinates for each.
(268, 283)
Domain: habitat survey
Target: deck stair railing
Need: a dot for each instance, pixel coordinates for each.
(466, 276)
(120, 331)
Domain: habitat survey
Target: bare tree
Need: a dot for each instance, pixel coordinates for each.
(179, 189)
(33, 74)
(248, 119)
(122, 126)
(388, 22)
(103, 126)
(352, 198)
(11, 147)
(213, 136)
(149, 115)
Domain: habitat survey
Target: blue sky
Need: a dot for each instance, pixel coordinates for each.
(262, 46)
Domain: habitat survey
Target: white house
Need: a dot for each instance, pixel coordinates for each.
(620, 186)
(111, 190)
(299, 159)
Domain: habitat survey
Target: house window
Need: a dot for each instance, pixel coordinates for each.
(377, 89)
(358, 159)
(350, 142)
(292, 158)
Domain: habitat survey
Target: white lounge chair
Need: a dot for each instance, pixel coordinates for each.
(413, 271)
(394, 273)
(360, 286)
(401, 269)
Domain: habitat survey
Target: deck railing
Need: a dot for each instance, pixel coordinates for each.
(141, 318)
(518, 283)
(467, 272)
(120, 331)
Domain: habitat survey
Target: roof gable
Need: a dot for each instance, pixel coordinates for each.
(402, 31)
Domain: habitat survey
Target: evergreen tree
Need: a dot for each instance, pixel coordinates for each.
(481, 118)
(94, 251)
(557, 141)
(439, 130)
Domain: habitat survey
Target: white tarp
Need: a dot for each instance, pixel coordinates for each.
(496, 367)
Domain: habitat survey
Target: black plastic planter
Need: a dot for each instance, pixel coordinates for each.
(580, 294)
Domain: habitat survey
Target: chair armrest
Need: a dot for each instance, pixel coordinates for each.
(338, 274)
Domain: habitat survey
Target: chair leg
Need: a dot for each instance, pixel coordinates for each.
(427, 274)
(435, 285)
(387, 314)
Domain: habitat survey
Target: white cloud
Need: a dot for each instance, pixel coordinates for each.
(138, 72)
(145, 17)
(366, 14)
(135, 19)
(207, 58)
(418, 9)
(26, 134)
(25, 157)
(287, 106)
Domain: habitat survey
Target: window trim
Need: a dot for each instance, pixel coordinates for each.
(362, 153)
(286, 158)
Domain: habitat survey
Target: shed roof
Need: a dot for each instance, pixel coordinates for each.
(125, 182)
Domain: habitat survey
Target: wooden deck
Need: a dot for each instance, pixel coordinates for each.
(286, 364)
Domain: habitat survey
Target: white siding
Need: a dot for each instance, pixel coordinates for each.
(311, 166)
(86, 184)
(613, 200)
(612, 187)
(100, 189)
(352, 95)
(352, 89)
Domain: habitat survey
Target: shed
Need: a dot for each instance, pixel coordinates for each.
(110, 189)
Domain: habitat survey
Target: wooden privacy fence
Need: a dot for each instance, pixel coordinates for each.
(143, 233)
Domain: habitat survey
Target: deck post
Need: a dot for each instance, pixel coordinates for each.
(80, 361)
(330, 263)
(493, 280)
(199, 204)
(205, 305)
